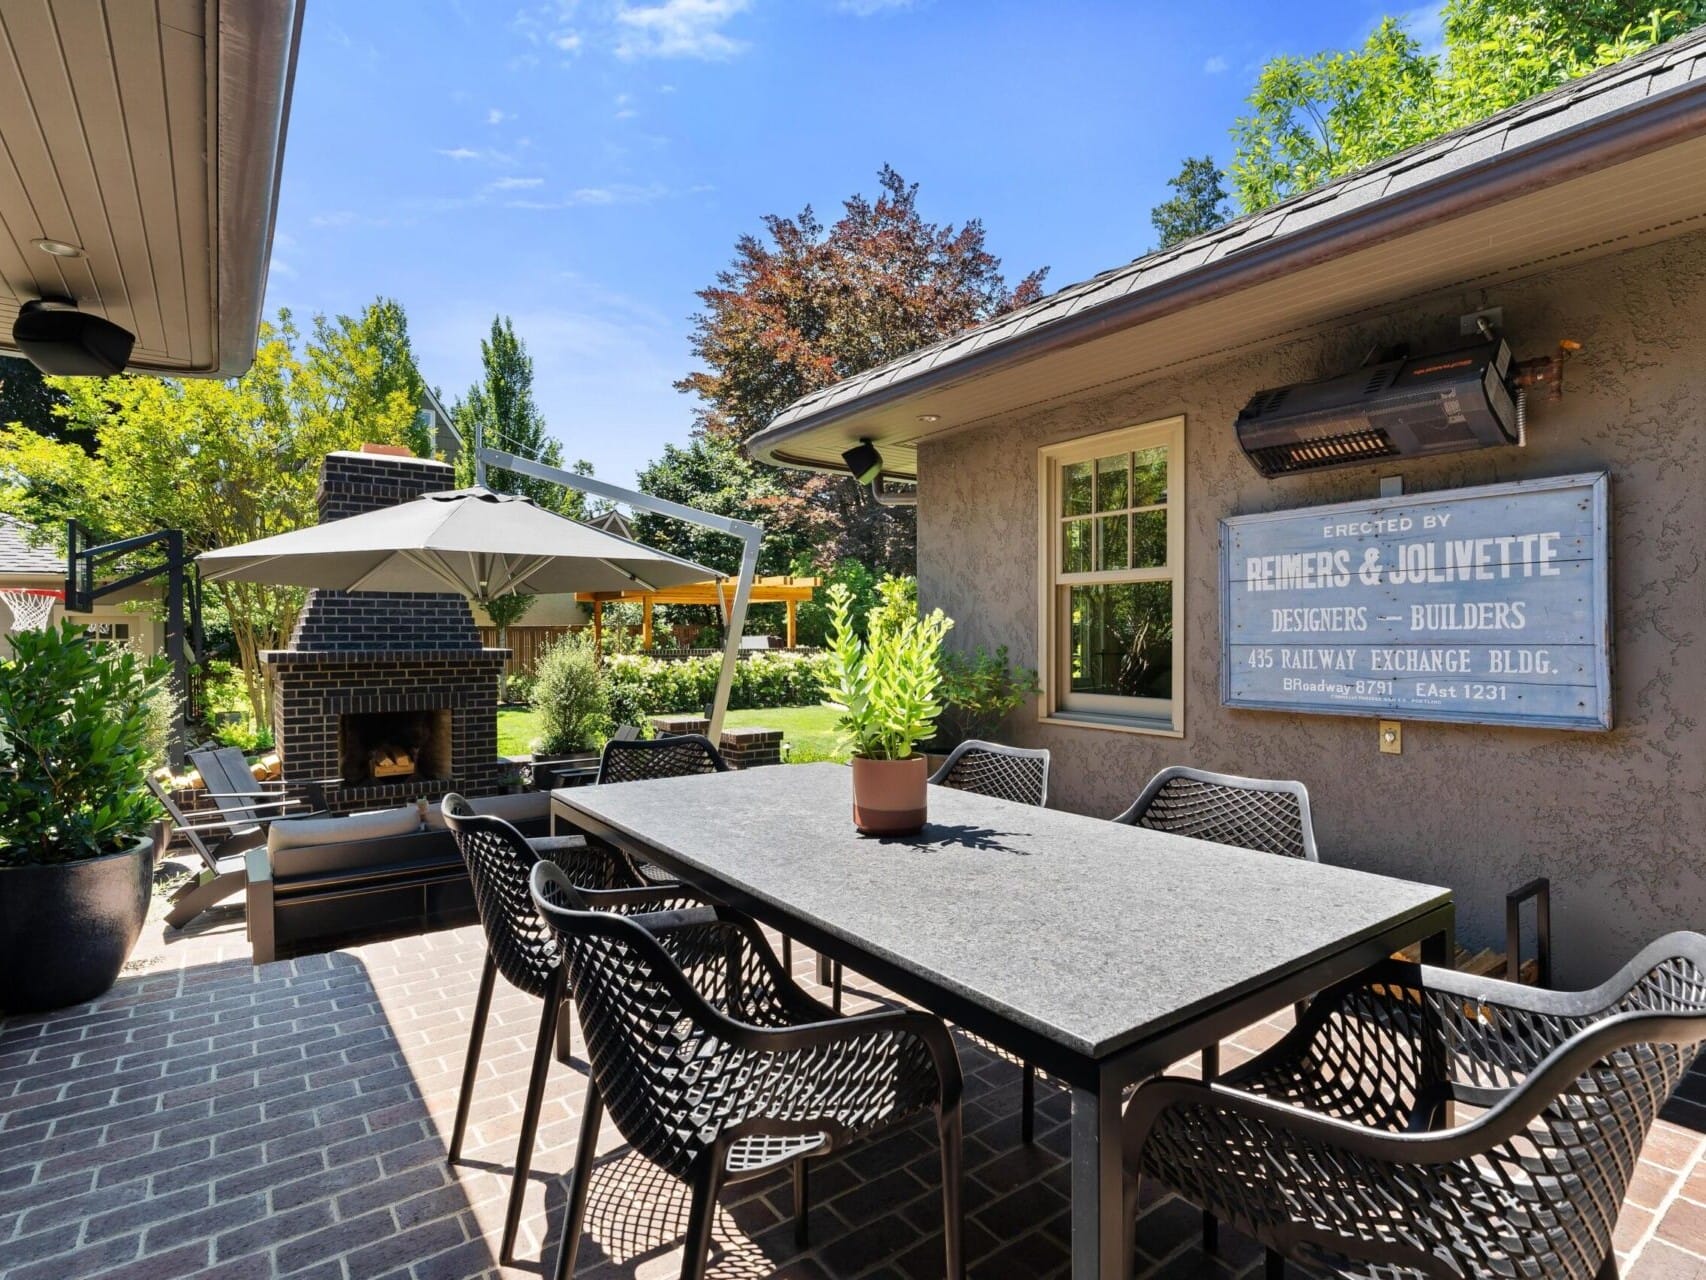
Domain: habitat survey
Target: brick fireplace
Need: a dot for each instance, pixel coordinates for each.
(388, 692)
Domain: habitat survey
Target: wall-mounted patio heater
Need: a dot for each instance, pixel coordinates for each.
(1406, 407)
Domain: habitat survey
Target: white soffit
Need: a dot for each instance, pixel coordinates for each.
(148, 133)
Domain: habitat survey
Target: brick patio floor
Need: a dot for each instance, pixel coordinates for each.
(210, 1118)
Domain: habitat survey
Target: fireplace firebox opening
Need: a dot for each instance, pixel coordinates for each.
(394, 746)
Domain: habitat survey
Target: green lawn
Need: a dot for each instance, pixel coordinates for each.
(810, 730)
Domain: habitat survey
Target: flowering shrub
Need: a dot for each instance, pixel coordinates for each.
(643, 686)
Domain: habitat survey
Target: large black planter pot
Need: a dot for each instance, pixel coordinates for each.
(66, 930)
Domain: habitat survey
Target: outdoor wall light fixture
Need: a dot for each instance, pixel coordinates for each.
(864, 462)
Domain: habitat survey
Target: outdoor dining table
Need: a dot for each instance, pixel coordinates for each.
(1100, 952)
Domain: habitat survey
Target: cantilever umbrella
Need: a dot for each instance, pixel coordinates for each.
(473, 541)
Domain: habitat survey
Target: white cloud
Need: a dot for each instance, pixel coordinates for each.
(625, 109)
(1215, 65)
(550, 26)
(279, 267)
(485, 155)
(517, 184)
(495, 115)
(865, 8)
(615, 193)
(677, 29)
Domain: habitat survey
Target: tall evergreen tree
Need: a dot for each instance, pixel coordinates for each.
(500, 409)
(1198, 203)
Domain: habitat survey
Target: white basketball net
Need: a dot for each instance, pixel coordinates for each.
(30, 609)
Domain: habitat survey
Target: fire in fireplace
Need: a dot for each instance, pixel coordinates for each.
(394, 746)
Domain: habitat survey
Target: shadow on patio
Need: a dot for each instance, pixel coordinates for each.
(211, 1118)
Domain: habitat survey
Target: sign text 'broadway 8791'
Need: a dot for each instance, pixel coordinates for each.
(1488, 605)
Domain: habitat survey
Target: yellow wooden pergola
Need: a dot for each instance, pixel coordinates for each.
(779, 589)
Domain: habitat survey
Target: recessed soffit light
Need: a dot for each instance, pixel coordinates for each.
(58, 248)
(929, 417)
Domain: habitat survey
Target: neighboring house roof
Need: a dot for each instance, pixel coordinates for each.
(19, 557)
(613, 521)
(1644, 104)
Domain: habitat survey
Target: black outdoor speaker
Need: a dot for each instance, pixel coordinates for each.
(57, 338)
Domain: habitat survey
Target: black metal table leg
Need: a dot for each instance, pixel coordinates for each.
(1098, 1229)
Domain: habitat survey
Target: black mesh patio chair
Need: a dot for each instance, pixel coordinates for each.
(1251, 813)
(643, 760)
(1327, 1147)
(716, 1067)
(521, 948)
(1019, 774)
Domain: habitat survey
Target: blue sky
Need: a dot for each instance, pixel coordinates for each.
(585, 165)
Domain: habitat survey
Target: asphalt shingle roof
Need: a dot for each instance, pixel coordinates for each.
(1622, 88)
(17, 555)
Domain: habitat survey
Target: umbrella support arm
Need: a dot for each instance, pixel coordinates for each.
(750, 534)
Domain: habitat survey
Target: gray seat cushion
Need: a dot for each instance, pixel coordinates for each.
(300, 833)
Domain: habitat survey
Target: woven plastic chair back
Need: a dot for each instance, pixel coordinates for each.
(1540, 1203)
(989, 769)
(1251, 813)
(499, 859)
(673, 757)
(663, 1063)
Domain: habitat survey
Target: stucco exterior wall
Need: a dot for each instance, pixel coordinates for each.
(1617, 820)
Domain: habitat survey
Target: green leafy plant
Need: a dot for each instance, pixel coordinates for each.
(518, 688)
(75, 720)
(572, 697)
(979, 689)
(886, 685)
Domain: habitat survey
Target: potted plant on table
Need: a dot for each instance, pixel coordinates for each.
(77, 725)
(885, 687)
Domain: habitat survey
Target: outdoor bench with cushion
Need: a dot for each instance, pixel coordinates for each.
(322, 881)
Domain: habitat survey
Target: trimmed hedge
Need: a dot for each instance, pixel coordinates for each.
(642, 686)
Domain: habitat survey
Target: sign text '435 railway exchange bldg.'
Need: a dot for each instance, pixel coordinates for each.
(1488, 605)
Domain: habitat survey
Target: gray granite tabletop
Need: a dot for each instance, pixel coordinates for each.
(1083, 930)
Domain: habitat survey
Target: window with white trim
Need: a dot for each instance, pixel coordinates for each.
(1111, 568)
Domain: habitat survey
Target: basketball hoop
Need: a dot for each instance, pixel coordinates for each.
(31, 607)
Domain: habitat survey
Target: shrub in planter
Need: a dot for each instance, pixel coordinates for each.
(979, 689)
(571, 697)
(76, 860)
(885, 687)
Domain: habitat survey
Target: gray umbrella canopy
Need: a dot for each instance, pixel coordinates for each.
(473, 541)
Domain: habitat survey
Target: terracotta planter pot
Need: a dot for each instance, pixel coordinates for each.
(889, 796)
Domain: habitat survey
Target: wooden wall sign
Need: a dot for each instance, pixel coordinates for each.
(1487, 606)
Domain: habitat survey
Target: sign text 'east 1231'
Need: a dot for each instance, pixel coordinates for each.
(1487, 605)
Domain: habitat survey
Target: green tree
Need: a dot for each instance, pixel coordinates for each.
(1198, 203)
(25, 397)
(500, 409)
(804, 305)
(226, 462)
(1314, 119)
(365, 367)
(712, 474)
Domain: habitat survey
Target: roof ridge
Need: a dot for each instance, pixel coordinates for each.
(1648, 61)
